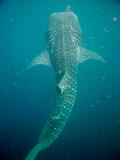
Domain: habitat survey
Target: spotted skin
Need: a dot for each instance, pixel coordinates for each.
(63, 54)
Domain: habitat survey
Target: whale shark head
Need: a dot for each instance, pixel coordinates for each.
(64, 20)
(62, 16)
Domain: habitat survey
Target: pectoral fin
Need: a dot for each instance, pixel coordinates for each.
(41, 59)
(84, 54)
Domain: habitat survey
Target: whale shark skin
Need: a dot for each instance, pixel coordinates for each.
(64, 52)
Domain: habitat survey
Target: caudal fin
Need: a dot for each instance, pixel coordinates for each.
(35, 150)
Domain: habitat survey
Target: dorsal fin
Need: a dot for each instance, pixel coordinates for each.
(64, 82)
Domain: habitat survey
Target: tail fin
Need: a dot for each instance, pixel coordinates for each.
(35, 150)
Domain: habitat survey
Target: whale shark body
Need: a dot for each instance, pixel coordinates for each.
(64, 53)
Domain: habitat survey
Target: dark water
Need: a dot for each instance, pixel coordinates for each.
(26, 98)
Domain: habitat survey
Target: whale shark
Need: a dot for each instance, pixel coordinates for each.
(64, 52)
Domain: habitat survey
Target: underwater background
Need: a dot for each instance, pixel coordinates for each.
(26, 97)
